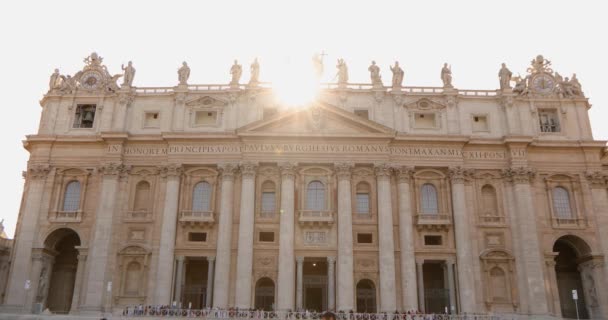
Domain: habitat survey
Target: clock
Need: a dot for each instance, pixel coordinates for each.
(90, 80)
(543, 83)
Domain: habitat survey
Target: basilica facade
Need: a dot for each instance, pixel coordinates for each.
(370, 198)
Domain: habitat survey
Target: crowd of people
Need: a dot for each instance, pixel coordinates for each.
(252, 314)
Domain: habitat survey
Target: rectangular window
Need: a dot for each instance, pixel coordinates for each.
(266, 237)
(480, 123)
(268, 203)
(364, 238)
(362, 113)
(425, 120)
(433, 240)
(197, 236)
(85, 116)
(549, 122)
(363, 203)
(151, 120)
(205, 118)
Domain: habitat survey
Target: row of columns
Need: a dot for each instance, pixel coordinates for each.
(331, 280)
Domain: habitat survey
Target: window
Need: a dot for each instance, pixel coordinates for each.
(548, 121)
(142, 196)
(266, 237)
(268, 199)
(425, 120)
(362, 113)
(197, 236)
(151, 120)
(315, 196)
(205, 118)
(201, 197)
(561, 203)
(364, 238)
(428, 199)
(498, 283)
(85, 116)
(132, 279)
(433, 240)
(480, 123)
(489, 202)
(269, 113)
(362, 197)
(71, 199)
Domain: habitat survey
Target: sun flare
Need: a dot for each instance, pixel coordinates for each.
(295, 85)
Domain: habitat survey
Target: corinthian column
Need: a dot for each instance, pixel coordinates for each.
(244, 263)
(164, 271)
(466, 283)
(224, 238)
(286, 292)
(528, 239)
(24, 239)
(597, 181)
(388, 300)
(345, 238)
(82, 260)
(406, 241)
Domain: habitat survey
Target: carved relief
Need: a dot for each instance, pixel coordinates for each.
(315, 237)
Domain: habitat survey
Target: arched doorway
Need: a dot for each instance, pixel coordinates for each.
(571, 252)
(264, 294)
(63, 271)
(366, 296)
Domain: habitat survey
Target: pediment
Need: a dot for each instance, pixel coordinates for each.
(206, 101)
(424, 104)
(317, 120)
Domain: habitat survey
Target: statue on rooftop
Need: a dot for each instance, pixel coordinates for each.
(504, 75)
(53, 80)
(183, 73)
(540, 64)
(374, 73)
(129, 74)
(397, 75)
(236, 71)
(342, 72)
(317, 63)
(446, 76)
(521, 85)
(576, 86)
(255, 73)
(68, 84)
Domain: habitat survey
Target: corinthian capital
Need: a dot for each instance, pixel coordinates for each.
(170, 170)
(248, 168)
(459, 174)
(344, 169)
(38, 171)
(383, 170)
(404, 173)
(596, 179)
(288, 169)
(114, 169)
(228, 169)
(519, 174)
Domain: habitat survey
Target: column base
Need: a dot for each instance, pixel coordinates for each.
(12, 308)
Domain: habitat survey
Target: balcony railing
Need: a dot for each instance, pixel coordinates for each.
(268, 214)
(196, 217)
(316, 217)
(144, 215)
(491, 220)
(433, 221)
(66, 216)
(569, 223)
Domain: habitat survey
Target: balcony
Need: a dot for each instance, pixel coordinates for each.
(491, 220)
(66, 216)
(140, 216)
(569, 223)
(196, 217)
(433, 221)
(316, 218)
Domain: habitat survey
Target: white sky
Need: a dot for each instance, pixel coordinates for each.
(473, 36)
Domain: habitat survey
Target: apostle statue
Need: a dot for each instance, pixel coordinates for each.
(397, 75)
(236, 71)
(576, 86)
(255, 72)
(317, 63)
(53, 80)
(504, 75)
(342, 72)
(374, 74)
(521, 86)
(129, 74)
(183, 73)
(446, 76)
(68, 84)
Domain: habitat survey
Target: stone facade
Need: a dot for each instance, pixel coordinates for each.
(370, 199)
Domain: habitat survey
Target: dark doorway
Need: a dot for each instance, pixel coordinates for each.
(63, 274)
(195, 284)
(315, 284)
(436, 294)
(264, 294)
(366, 296)
(569, 278)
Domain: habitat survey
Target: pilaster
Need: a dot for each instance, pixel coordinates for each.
(388, 294)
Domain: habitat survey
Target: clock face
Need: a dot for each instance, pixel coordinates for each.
(543, 83)
(90, 80)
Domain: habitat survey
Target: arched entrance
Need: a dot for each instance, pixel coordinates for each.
(571, 252)
(366, 296)
(63, 271)
(264, 294)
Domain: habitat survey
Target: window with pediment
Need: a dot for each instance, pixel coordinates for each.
(561, 203)
(431, 194)
(315, 196)
(201, 197)
(71, 198)
(565, 206)
(69, 195)
(428, 199)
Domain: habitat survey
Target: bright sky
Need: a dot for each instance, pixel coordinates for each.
(473, 36)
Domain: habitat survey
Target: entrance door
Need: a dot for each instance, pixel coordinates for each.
(436, 295)
(314, 299)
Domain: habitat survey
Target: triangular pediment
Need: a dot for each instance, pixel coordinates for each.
(206, 101)
(319, 119)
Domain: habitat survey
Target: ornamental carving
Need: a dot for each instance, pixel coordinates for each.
(125, 99)
(596, 179)
(365, 264)
(38, 171)
(383, 170)
(114, 169)
(404, 173)
(288, 169)
(94, 77)
(459, 174)
(344, 169)
(228, 169)
(265, 262)
(171, 170)
(248, 169)
(519, 174)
